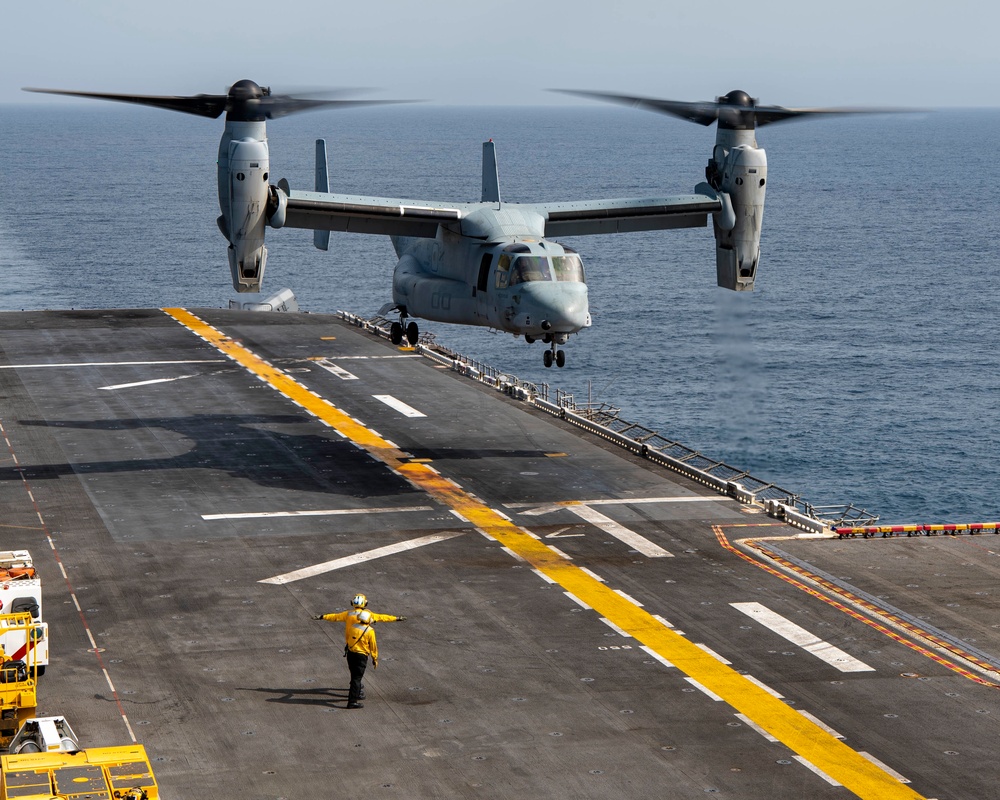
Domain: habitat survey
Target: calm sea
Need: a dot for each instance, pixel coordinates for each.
(864, 368)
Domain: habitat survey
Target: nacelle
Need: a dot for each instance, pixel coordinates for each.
(739, 172)
(248, 201)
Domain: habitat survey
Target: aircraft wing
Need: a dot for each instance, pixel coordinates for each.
(586, 217)
(380, 215)
(390, 216)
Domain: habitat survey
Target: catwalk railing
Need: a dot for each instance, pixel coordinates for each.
(604, 420)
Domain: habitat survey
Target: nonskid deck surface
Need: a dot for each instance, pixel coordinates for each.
(580, 624)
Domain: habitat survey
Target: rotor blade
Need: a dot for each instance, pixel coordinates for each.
(202, 105)
(274, 106)
(703, 113)
(768, 114)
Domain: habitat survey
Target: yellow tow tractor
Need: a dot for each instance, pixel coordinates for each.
(17, 677)
(97, 773)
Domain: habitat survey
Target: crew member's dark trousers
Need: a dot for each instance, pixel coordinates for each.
(356, 662)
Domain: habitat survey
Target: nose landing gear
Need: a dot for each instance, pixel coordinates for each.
(552, 354)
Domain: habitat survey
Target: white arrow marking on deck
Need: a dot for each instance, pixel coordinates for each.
(320, 512)
(145, 383)
(560, 535)
(620, 532)
(787, 629)
(360, 558)
(340, 372)
(398, 405)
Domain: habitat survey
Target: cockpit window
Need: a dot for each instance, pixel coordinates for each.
(503, 271)
(568, 268)
(530, 268)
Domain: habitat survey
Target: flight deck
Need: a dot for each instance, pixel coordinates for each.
(581, 622)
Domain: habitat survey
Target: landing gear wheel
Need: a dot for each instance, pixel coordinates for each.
(560, 358)
(396, 333)
(529, 338)
(412, 333)
(547, 358)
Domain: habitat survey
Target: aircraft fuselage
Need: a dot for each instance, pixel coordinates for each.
(522, 284)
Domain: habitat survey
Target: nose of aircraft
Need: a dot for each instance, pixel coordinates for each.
(559, 307)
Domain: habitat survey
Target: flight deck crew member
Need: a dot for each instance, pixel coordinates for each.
(359, 642)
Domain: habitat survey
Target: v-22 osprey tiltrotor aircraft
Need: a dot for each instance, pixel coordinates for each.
(490, 263)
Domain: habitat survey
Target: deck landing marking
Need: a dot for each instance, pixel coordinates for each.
(113, 364)
(799, 734)
(398, 405)
(333, 369)
(620, 532)
(360, 558)
(144, 383)
(888, 769)
(537, 509)
(815, 770)
(797, 635)
(320, 512)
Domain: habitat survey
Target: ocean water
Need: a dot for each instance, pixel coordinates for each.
(863, 368)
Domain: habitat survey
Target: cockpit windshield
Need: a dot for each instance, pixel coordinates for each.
(529, 268)
(568, 268)
(513, 269)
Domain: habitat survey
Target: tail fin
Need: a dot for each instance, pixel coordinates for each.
(491, 178)
(321, 239)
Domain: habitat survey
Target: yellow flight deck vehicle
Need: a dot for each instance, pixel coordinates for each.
(17, 678)
(101, 773)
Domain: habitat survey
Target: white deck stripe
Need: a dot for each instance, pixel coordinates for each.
(398, 405)
(787, 629)
(340, 372)
(628, 597)
(754, 726)
(115, 364)
(376, 358)
(657, 656)
(144, 383)
(615, 628)
(880, 765)
(578, 601)
(764, 686)
(620, 532)
(712, 653)
(537, 510)
(817, 721)
(320, 512)
(704, 689)
(360, 558)
(814, 769)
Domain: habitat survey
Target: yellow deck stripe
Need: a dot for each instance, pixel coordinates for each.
(798, 733)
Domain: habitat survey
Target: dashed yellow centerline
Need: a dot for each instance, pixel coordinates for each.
(805, 738)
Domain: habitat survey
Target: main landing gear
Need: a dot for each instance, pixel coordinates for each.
(398, 329)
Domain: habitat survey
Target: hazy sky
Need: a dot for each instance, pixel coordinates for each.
(913, 53)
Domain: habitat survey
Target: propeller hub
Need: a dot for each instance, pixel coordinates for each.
(245, 90)
(737, 97)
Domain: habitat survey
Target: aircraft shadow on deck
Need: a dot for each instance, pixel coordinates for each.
(241, 447)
